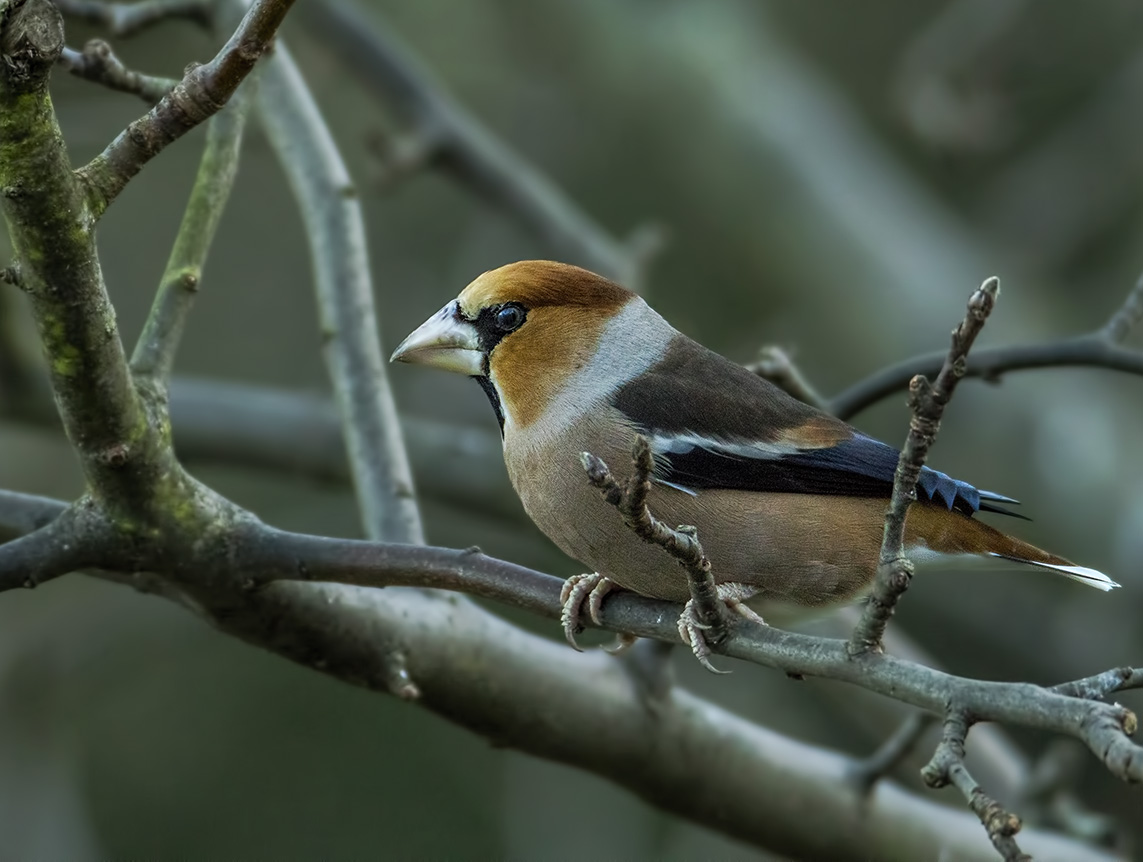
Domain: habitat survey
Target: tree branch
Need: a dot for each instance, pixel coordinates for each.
(445, 134)
(332, 215)
(199, 95)
(155, 350)
(682, 543)
(866, 773)
(928, 404)
(215, 557)
(50, 226)
(58, 547)
(585, 710)
(774, 364)
(1098, 349)
(127, 19)
(947, 767)
(98, 63)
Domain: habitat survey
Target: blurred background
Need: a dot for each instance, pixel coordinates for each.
(832, 178)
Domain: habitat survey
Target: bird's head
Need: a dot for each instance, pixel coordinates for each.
(524, 331)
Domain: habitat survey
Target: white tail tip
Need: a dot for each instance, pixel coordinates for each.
(1077, 573)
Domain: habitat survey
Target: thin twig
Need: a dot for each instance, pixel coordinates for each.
(774, 364)
(1126, 317)
(332, 215)
(1098, 349)
(198, 96)
(947, 767)
(866, 773)
(928, 403)
(127, 19)
(1102, 684)
(155, 350)
(449, 136)
(682, 543)
(98, 63)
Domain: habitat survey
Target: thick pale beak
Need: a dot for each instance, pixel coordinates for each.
(447, 341)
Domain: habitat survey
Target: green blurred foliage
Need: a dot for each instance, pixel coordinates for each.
(814, 196)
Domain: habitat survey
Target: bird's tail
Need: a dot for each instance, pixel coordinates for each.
(945, 532)
(1084, 575)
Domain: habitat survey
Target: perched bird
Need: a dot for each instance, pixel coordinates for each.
(789, 502)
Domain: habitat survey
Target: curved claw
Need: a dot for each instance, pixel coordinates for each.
(577, 591)
(691, 633)
(691, 628)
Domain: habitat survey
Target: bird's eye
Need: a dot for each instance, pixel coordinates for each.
(509, 317)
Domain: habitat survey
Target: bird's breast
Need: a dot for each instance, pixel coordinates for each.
(797, 549)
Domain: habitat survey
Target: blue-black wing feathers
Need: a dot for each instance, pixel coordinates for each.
(706, 413)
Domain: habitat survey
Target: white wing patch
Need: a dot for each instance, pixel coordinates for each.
(681, 444)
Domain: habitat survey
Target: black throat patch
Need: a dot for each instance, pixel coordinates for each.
(493, 398)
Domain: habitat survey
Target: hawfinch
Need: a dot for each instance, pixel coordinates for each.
(788, 501)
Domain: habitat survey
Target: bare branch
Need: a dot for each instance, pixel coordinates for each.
(776, 365)
(25, 513)
(58, 547)
(947, 767)
(59, 271)
(155, 351)
(866, 773)
(928, 403)
(127, 19)
(681, 543)
(1127, 317)
(332, 215)
(98, 63)
(199, 95)
(339, 633)
(447, 135)
(1099, 349)
(1102, 684)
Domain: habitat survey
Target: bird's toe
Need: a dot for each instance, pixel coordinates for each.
(579, 590)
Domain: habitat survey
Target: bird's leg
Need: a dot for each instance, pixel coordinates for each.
(692, 629)
(577, 591)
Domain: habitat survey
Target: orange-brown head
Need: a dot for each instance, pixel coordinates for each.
(523, 330)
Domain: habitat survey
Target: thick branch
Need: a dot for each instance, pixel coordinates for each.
(928, 404)
(51, 231)
(336, 233)
(447, 135)
(155, 351)
(199, 95)
(528, 693)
